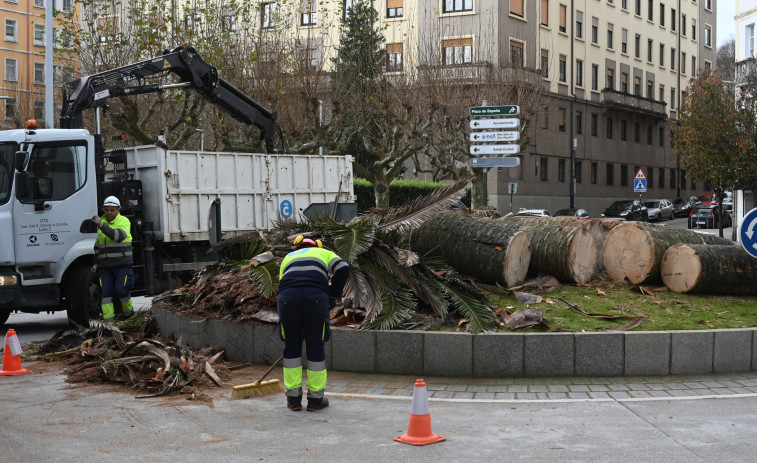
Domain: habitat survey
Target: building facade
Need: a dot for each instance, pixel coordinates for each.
(22, 54)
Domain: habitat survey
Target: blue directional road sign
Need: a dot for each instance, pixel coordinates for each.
(286, 209)
(748, 232)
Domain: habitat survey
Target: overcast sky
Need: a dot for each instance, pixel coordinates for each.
(726, 27)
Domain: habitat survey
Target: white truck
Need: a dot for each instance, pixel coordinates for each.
(53, 180)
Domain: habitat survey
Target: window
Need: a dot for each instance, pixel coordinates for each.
(624, 4)
(62, 74)
(609, 36)
(545, 63)
(649, 50)
(268, 15)
(672, 178)
(623, 130)
(579, 73)
(624, 82)
(637, 9)
(579, 24)
(624, 175)
(229, 22)
(673, 98)
(544, 18)
(650, 176)
(561, 170)
(650, 89)
(609, 127)
(543, 169)
(637, 46)
(683, 179)
(594, 77)
(662, 15)
(39, 111)
(516, 6)
(662, 94)
(594, 123)
(661, 137)
(650, 10)
(673, 59)
(544, 119)
(661, 177)
(561, 119)
(39, 3)
(594, 30)
(683, 63)
(693, 65)
(62, 38)
(577, 171)
(516, 53)
(708, 4)
(748, 40)
(579, 122)
(394, 57)
(308, 58)
(454, 6)
(67, 5)
(683, 25)
(39, 73)
(662, 54)
(309, 13)
(749, 37)
(395, 8)
(563, 19)
(11, 109)
(562, 68)
(610, 174)
(457, 51)
(109, 27)
(346, 7)
(637, 86)
(637, 132)
(649, 137)
(694, 30)
(707, 65)
(611, 79)
(673, 19)
(11, 70)
(11, 30)
(39, 35)
(593, 173)
(624, 41)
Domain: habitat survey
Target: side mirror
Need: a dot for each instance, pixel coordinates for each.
(19, 160)
(87, 226)
(23, 185)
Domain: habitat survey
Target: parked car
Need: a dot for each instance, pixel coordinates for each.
(533, 213)
(707, 199)
(708, 217)
(627, 209)
(659, 209)
(572, 211)
(728, 207)
(682, 207)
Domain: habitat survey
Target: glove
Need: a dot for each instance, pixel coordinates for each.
(97, 220)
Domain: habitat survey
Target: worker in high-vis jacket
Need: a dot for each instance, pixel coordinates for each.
(311, 277)
(114, 259)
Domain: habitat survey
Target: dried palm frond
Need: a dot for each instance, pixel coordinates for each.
(468, 301)
(397, 300)
(266, 277)
(412, 215)
(407, 258)
(364, 292)
(353, 239)
(431, 291)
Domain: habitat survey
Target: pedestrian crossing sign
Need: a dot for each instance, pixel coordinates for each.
(640, 176)
(640, 185)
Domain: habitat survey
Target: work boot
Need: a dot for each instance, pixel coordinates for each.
(109, 319)
(125, 316)
(294, 403)
(317, 404)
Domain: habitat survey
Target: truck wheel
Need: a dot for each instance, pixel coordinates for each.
(4, 314)
(83, 295)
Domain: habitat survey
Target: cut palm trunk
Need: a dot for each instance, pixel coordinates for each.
(564, 251)
(633, 251)
(710, 269)
(598, 227)
(489, 250)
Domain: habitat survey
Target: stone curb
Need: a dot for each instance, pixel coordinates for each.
(489, 355)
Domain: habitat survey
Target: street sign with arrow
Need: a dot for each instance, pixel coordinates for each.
(511, 123)
(748, 232)
(483, 137)
(494, 149)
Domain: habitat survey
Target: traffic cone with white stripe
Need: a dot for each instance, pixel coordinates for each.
(12, 356)
(419, 429)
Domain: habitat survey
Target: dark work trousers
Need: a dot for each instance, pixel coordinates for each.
(304, 314)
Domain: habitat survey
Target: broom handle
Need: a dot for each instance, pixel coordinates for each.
(270, 369)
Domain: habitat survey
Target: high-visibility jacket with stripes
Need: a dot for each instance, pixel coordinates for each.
(314, 267)
(113, 244)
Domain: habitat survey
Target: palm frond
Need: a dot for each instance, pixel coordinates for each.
(353, 239)
(364, 292)
(469, 303)
(266, 277)
(407, 258)
(398, 307)
(431, 291)
(412, 215)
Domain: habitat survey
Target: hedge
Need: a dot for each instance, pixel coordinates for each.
(400, 192)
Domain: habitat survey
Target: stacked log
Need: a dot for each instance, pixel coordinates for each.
(634, 250)
(711, 269)
(599, 228)
(567, 252)
(489, 250)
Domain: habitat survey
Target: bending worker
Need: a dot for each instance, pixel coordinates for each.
(304, 302)
(114, 258)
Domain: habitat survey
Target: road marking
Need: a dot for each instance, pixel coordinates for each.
(535, 401)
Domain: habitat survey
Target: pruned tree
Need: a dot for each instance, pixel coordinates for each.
(726, 59)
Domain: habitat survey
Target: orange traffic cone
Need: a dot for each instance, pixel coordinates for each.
(12, 356)
(419, 429)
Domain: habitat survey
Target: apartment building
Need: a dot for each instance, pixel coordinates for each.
(22, 54)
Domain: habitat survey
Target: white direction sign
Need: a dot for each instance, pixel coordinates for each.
(482, 137)
(495, 162)
(510, 123)
(494, 149)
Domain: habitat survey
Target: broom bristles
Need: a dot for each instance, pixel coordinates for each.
(256, 389)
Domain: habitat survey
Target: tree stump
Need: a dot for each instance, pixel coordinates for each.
(634, 250)
(598, 227)
(489, 250)
(711, 269)
(567, 252)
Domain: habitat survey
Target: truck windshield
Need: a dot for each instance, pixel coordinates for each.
(7, 152)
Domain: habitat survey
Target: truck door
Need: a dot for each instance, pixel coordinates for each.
(7, 150)
(47, 221)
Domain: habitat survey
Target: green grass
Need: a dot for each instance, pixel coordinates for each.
(665, 310)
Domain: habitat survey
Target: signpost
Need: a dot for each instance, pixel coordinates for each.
(494, 149)
(512, 188)
(508, 110)
(748, 232)
(640, 182)
(495, 162)
(494, 123)
(483, 137)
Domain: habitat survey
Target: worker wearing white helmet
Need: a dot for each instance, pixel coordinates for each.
(114, 259)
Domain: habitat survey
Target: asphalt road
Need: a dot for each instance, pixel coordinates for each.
(682, 222)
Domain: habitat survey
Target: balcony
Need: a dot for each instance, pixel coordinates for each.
(621, 101)
(465, 73)
(746, 71)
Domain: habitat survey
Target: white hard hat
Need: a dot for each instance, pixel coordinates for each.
(112, 201)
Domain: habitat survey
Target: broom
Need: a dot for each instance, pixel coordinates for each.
(259, 387)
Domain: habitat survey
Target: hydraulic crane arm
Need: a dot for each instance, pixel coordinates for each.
(94, 90)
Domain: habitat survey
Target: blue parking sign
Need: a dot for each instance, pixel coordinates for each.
(748, 232)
